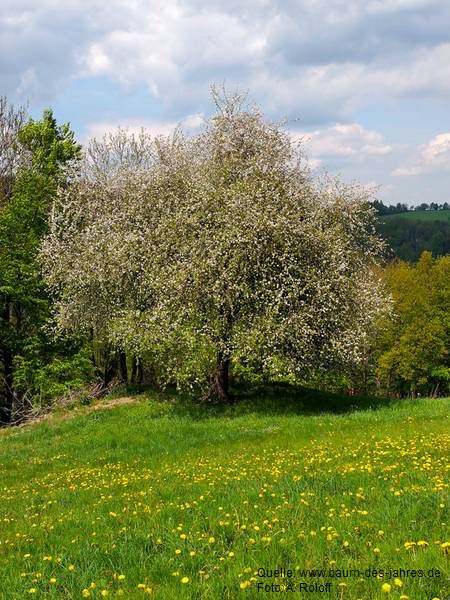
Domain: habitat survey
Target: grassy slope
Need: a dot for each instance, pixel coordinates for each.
(113, 492)
(421, 215)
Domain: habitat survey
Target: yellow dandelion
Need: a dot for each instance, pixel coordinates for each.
(184, 580)
(386, 588)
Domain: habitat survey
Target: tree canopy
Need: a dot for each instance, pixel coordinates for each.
(215, 250)
(33, 156)
(414, 351)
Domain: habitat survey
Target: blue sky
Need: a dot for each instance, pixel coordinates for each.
(366, 83)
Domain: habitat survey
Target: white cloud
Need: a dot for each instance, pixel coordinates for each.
(389, 6)
(344, 142)
(315, 60)
(153, 127)
(292, 65)
(431, 157)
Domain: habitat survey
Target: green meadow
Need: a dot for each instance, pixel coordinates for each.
(420, 215)
(157, 497)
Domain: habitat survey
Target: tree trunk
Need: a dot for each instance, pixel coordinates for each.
(139, 373)
(110, 369)
(8, 393)
(123, 370)
(132, 380)
(8, 373)
(220, 384)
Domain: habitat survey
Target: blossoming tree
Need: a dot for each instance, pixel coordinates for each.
(211, 250)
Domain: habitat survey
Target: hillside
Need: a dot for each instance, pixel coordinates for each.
(420, 215)
(160, 498)
(411, 233)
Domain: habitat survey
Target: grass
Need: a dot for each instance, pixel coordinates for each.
(189, 502)
(421, 215)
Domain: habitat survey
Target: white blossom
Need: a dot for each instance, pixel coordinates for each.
(215, 248)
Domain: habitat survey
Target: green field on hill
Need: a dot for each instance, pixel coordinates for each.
(161, 499)
(420, 215)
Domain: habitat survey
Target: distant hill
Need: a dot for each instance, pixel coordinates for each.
(410, 233)
(420, 215)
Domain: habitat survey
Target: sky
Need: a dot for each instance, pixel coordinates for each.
(364, 83)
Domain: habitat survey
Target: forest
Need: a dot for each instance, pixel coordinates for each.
(413, 230)
(206, 263)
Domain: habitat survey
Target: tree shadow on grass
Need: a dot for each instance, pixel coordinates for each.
(272, 399)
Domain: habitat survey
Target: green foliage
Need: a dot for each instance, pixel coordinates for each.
(424, 210)
(40, 376)
(415, 344)
(25, 305)
(182, 359)
(383, 209)
(52, 146)
(412, 233)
